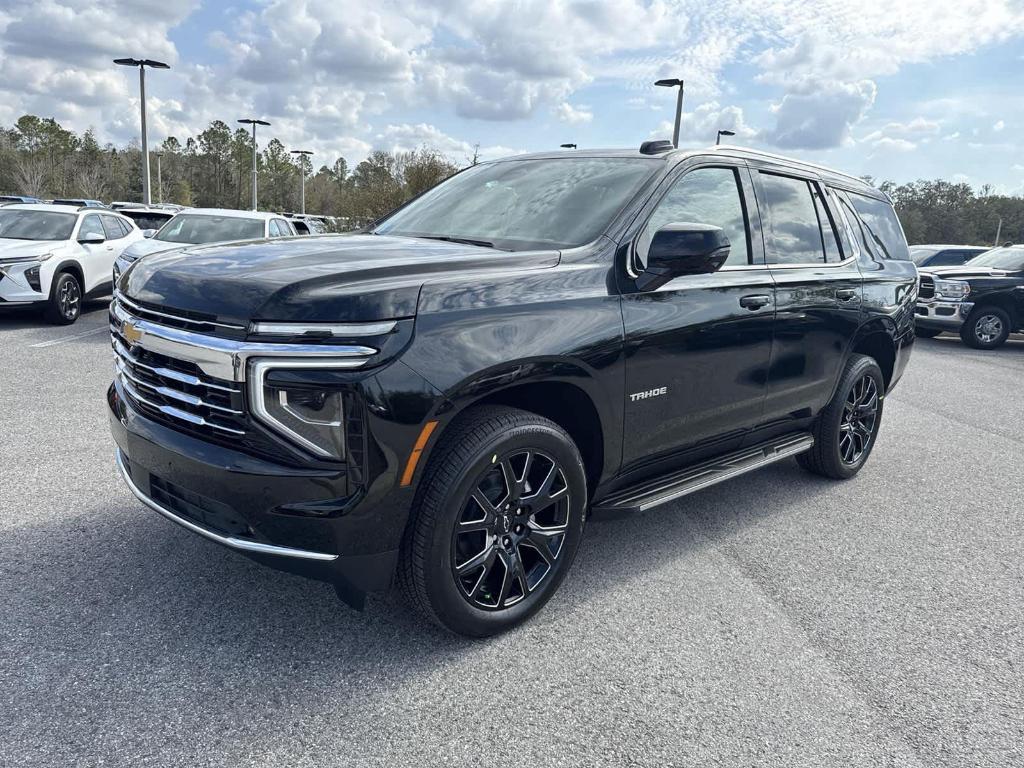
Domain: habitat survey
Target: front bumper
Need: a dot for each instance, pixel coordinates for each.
(288, 518)
(15, 287)
(942, 314)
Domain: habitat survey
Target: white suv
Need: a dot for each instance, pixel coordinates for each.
(58, 255)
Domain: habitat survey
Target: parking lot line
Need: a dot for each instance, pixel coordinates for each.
(54, 342)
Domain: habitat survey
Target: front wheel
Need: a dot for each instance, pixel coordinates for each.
(496, 522)
(986, 328)
(845, 431)
(65, 304)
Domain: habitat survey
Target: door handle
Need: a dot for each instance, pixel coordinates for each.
(845, 294)
(756, 301)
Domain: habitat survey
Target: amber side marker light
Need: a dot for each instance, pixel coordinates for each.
(414, 457)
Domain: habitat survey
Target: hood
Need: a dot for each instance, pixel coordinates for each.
(12, 250)
(328, 278)
(962, 271)
(148, 245)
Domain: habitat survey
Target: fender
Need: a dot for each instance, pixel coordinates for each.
(68, 265)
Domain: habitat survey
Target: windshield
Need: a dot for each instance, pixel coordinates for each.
(36, 225)
(1010, 259)
(147, 219)
(202, 228)
(919, 254)
(524, 204)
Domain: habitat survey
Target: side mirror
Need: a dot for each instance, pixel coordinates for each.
(91, 238)
(148, 232)
(683, 249)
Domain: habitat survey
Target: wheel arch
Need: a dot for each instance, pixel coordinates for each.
(72, 267)
(877, 340)
(1004, 302)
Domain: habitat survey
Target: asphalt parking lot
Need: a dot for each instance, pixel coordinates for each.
(779, 619)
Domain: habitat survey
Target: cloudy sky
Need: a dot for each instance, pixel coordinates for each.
(899, 90)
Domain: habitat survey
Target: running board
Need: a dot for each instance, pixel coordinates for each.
(662, 490)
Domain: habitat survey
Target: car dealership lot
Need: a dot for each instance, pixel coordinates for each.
(779, 619)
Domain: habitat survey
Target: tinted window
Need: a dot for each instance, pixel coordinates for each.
(947, 259)
(127, 226)
(91, 225)
(279, 228)
(833, 252)
(882, 226)
(112, 227)
(147, 219)
(203, 228)
(523, 204)
(703, 196)
(792, 235)
(36, 225)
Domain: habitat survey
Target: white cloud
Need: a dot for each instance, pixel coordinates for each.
(406, 137)
(819, 115)
(567, 113)
(902, 137)
(998, 126)
(700, 125)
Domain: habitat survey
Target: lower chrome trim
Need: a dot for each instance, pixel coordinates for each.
(227, 541)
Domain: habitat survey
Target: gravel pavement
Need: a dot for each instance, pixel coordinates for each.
(779, 619)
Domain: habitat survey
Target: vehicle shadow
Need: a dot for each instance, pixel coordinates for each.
(14, 318)
(120, 606)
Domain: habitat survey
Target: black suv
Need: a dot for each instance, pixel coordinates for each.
(443, 399)
(982, 300)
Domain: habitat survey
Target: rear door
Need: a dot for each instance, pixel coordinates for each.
(818, 295)
(698, 346)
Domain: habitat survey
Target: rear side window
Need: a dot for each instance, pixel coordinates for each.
(703, 196)
(833, 252)
(947, 259)
(112, 227)
(883, 228)
(793, 235)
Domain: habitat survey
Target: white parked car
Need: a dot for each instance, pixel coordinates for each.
(56, 256)
(197, 226)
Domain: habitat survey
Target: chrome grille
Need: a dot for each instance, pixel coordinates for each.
(174, 391)
(927, 289)
(191, 321)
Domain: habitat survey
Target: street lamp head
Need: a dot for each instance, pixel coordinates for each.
(718, 138)
(252, 121)
(301, 152)
(668, 82)
(142, 63)
(567, 146)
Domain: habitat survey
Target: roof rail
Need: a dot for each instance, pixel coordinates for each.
(785, 159)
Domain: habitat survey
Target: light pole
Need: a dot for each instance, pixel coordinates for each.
(142, 64)
(672, 83)
(159, 179)
(303, 154)
(718, 138)
(253, 122)
(999, 231)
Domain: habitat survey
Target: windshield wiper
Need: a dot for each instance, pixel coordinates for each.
(463, 240)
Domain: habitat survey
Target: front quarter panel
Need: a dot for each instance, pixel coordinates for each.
(559, 324)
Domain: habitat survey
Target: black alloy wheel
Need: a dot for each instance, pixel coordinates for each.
(498, 517)
(857, 426)
(846, 429)
(510, 532)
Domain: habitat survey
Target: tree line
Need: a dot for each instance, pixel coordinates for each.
(40, 157)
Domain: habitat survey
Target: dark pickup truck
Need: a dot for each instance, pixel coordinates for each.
(982, 300)
(443, 400)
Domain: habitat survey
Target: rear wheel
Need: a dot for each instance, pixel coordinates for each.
(65, 304)
(845, 431)
(986, 328)
(496, 523)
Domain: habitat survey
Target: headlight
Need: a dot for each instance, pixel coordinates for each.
(294, 404)
(27, 259)
(951, 289)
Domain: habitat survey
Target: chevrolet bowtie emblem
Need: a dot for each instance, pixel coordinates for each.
(131, 333)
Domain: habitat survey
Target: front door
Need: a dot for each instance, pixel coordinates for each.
(697, 348)
(818, 297)
(97, 258)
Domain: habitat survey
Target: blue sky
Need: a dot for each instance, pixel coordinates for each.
(899, 91)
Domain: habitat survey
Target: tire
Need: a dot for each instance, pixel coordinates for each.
(453, 561)
(843, 438)
(927, 333)
(65, 303)
(986, 328)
